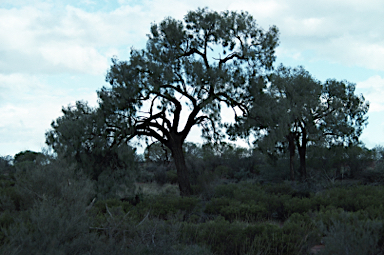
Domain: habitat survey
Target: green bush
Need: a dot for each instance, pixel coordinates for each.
(247, 201)
(166, 206)
(372, 175)
(237, 237)
(353, 198)
(223, 171)
(10, 199)
(116, 183)
(53, 217)
(227, 190)
(155, 237)
(124, 233)
(298, 205)
(172, 176)
(348, 233)
(279, 189)
(100, 206)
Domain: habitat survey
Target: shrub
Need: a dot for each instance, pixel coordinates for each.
(172, 176)
(224, 237)
(347, 233)
(353, 198)
(53, 219)
(284, 188)
(123, 234)
(155, 237)
(298, 205)
(227, 190)
(117, 183)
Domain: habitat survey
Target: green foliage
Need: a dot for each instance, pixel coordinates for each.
(25, 160)
(251, 203)
(352, 198)
(298, 111)
(172, 176)
(53, 216)
(240, 238)
(342, 162)
(350, 233)
(127, 231)
(80, 137)
(10, 199)
(276, 171)
(232, 162)
(6, 166)
(45, 210)
(27, 156)
(168, 206)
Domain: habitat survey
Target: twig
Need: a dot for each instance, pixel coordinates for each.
(143, 219)
(106, 206)
(90, 205)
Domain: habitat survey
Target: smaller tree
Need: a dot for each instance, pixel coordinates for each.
(301, 110)
(80, 136)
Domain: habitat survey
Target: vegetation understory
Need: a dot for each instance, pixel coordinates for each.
(48, 207)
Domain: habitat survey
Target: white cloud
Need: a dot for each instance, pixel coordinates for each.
(73, 40)
(349, 33)
(27, 107)
(373, 92)
(76, 58)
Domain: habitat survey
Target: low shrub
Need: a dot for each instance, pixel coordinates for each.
(237, 237)
(352, 198)
(172, 176)
(52, 218)
(350, 233)
(284, 188)
(166, 207)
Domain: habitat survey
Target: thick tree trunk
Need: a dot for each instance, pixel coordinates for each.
(291, 146)
(181, 167)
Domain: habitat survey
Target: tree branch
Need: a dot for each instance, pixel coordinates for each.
(195, 51)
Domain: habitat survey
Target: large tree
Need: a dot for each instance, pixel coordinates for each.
(303, 110)
(187, 72)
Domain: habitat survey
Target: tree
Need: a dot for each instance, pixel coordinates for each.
(6, 165)
(188, 71)
(305, 111)
(29, 159)
(80, 136)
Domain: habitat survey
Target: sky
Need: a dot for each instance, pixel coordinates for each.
(53, 53)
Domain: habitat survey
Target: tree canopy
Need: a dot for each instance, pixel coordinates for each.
(81, 136)
(187, 72)
(301, 110)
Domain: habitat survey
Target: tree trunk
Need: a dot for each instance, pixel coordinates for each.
(181, 167)
(302, 151)
(303, 166)
(291, 146)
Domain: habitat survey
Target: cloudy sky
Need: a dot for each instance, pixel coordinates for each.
(53, 53)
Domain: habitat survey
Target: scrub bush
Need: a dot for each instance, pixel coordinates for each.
(350, 233)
